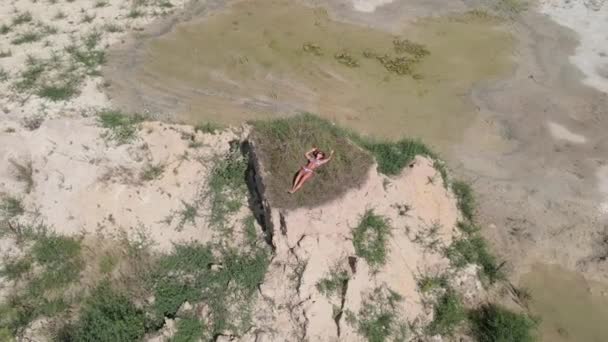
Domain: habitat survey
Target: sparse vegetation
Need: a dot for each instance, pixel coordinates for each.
(226, 186)
(448, 315)
(512, 7)
(135, 13)
(22, 18)
(87, 18)
(24, 173)
(59, 15)
(152, 171)
(465, 199)
(380, 319)
(474, 250)
(107, 315)
(334, 283)
(312, 48)
(10, 207)
(87, 54)
(4, 29)
(113, 28)
(52, 264)
(429, 283)
(5, 53)
(4, 75)
(32, 122)
(492, 323)
(370, 238)
(58, 92)
(208, 128)
(345, 58)
(27, 37)
(407, 46)
(120, 128)
(100, 4)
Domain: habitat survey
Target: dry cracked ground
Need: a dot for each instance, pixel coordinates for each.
(146, 146)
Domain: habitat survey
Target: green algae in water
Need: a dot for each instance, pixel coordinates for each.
(253, 53)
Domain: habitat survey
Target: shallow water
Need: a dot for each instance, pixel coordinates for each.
(248, 62)
(571, 308)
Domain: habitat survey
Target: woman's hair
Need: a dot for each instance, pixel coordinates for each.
(316, 153)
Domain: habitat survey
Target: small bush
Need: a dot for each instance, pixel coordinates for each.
(407, 46)
(474, 250)
(107, 316)
(492, 323)
(4, 29)
(465, 199)
(370, 238)
(449, 313)
(120, 127)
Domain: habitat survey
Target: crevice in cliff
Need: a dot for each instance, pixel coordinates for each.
(258, 203)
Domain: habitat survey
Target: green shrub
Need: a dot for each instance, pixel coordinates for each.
(465, 199)
(370, 238)
(27, 37)
(449, 313)
(492, 323)
(107, 316)
(152, 171)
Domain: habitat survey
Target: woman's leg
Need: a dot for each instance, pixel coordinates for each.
(303, 180)
(296, 180)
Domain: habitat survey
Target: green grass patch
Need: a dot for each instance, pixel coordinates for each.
(379, 318)
(120, 127)
(493, 323)
(226, 280)
(370, 239)
(474, 250)
(465, 199)
(34, 69)
(280, 146)
(188, 329)
(227, 188)
(88, 54)
(53, 263)
(448, 314)
(58, 92)
(107, 315)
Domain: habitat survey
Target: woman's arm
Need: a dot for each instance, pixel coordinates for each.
(326, 160)
(309, 155)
